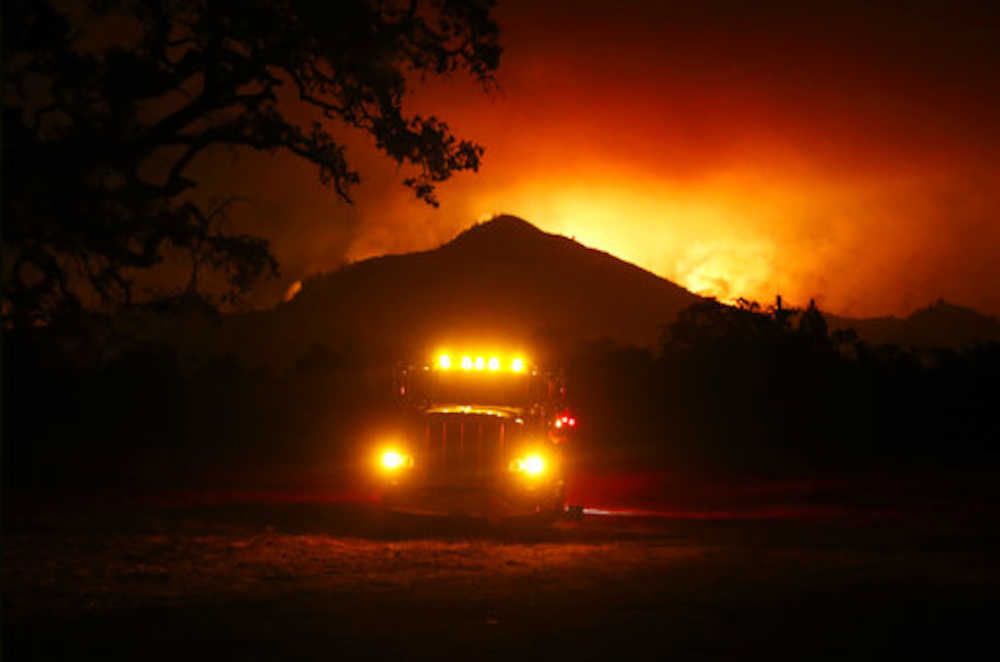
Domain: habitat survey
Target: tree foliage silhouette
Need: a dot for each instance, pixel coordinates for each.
(95, 93)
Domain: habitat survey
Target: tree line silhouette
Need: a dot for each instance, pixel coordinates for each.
(736, 389)
(744, 389)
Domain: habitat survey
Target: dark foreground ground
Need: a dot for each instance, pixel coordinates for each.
(324, 581)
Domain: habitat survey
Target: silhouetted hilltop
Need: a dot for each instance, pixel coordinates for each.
(940, 324)
(499, 282)
(504, 230)
(496, 281)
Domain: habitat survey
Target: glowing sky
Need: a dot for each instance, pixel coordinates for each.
(847, 154)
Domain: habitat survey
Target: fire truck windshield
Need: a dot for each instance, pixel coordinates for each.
(510, 389)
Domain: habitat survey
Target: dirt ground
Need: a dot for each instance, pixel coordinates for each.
(310, 581)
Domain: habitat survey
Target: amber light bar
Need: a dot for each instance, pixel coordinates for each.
(479, 363)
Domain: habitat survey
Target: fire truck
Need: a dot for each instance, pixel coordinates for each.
(481, 435)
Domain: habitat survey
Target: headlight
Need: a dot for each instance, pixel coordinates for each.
(392, 460)
(531, 465)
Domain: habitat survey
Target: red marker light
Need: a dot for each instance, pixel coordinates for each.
(572, 422)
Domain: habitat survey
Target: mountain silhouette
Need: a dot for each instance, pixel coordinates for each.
(941, 324)
(497, 284)
(500, 282)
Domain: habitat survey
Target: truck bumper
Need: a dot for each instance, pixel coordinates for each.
(489, 502)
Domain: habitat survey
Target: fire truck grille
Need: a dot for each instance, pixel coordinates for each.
(464, 449)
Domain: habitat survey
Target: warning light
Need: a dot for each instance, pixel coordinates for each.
(565, 421)
(485, 362)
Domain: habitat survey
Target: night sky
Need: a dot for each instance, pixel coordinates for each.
(846, 153)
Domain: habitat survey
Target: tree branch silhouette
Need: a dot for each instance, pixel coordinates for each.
(90, 103)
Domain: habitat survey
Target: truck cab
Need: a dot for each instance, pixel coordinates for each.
(483, 436)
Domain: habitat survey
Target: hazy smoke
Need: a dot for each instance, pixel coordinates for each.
(853, 164)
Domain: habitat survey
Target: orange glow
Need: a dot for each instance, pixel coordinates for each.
(517, 365)
(702, 248)
(292, 291)
(444, 362)
(753, 232)
(494, 363)
(466, 363)
(480, 363)
(836, 167)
